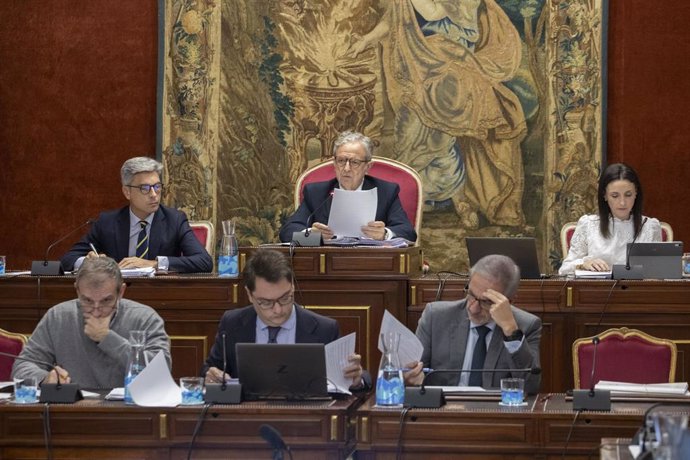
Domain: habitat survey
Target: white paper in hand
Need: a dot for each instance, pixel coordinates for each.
(351, 210)
(410, 349)
(337, 353)
(155, 387)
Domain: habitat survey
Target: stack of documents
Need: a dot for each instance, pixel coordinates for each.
(132, 272)
(592, 275)
(644, 389)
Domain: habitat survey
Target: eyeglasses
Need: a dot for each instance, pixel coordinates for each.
(88, 306)
(267, 304)
(146, 188)
(354, 163)
(484, 303)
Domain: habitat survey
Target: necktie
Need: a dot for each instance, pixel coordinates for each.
(142, 241)
(479, 356)
(273, 333)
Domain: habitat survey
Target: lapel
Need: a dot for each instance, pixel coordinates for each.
(122, 234)
(492, 354)
(459, 333)
(332, 184)
(306, 327)
(156, 234)
(244, 330)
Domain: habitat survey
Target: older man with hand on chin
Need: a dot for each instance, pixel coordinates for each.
(481, 331)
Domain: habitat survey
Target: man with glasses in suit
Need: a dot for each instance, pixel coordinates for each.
(145, 233)
(352, 153)
(481, 331)
(273, 317)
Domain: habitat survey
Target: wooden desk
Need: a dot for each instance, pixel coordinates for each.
(100, 429)
(470, 429)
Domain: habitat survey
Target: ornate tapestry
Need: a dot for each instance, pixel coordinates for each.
(498, 104)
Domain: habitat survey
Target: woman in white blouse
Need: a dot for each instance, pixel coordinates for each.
(600, 241)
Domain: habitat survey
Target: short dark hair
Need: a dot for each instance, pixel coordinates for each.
(268, 264)
(99, 267)
(614, 172)
(501, 269)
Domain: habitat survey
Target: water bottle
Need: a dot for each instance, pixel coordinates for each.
(390, 387)
(228, 253)
(137, 360)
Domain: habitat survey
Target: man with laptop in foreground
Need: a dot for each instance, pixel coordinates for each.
(481, 331)
(273, 317)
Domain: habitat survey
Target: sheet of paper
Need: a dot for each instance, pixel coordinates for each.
(116, 394)
(336, 360)
(459, 389)
(351, 210)
(677, 388)
(155, 387)
(410, 348)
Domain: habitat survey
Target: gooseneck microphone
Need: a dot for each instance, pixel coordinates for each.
(433, 397)
(53, 268)
(592, 399)
(275, 440)
(222, 393)
(59, 392)
(309, 238)
(634, 272)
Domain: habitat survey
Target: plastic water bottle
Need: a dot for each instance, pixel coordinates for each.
(228, 265)
(390, 387)
(137, 360)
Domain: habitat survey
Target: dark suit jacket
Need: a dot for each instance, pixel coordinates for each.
(317, 197)
(170, 236)
(240, 327)
(444, 329)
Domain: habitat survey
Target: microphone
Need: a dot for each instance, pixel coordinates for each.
(275, 440)
(591, 399)
(310, 238)
(53, 268)
(433, 397)
(64, 393)
(627, 271)
(222, 393)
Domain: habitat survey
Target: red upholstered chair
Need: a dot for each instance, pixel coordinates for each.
(382, 168)
(205, 233)
(624, 355)
(569, 229)
(9, 343)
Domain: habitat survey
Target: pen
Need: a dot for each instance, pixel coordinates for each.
(93, 248)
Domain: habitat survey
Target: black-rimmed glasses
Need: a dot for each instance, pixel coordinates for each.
(146, 188)
(267, 304)
(354, 163)
(484, 303)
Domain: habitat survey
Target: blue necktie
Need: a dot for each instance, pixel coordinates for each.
(142, 241)
(273, 333)
(479, 356)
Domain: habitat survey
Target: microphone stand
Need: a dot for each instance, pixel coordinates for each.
(309, 237)
(628, 272)
(432, 397)
(222, 393)
(591, 399)
(63, 393)
(53, 267)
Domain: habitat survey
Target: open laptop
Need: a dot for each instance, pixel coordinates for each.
(278, 371)
(523, 251)
(659, 261)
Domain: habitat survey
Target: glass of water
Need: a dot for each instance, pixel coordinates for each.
(192, 390)
(512, 392)
(25, 390)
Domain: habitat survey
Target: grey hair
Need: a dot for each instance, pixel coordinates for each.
(138, 165)
(94, 268)
(500, 269)
(353, 136)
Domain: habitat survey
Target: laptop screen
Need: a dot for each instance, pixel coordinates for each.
(659, 260)
(280, 371)
(523, 251)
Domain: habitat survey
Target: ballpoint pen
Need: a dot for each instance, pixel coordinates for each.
(93, 248)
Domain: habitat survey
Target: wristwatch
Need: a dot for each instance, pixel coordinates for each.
(517, 335)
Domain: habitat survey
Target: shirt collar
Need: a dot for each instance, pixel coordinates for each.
(134, 220)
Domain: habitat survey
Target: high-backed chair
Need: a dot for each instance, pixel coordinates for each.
(624, 355)
(12, 343)
(568, 230)
(383, 168)
(205, 233)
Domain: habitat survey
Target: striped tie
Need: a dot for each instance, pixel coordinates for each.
(142, 241)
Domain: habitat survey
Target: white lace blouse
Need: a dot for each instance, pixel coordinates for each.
(587, 242)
